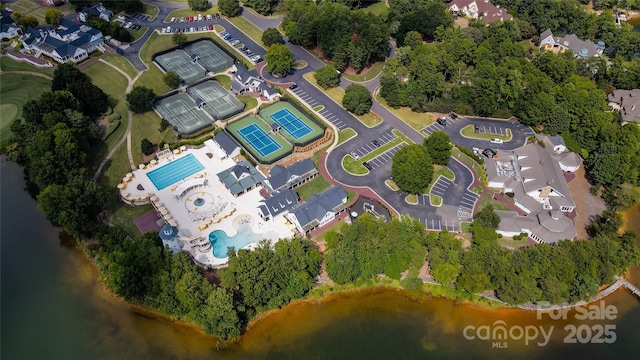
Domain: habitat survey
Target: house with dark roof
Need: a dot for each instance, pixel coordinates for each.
(628, 103)
(249, 81)
(96, 10)
(533, 174)
(580, 48)
(278, 203)
(227, 144)
(479, 9)
(241, 178)
(294, 175)
(318, 210)
(8, 27)
(66, 42)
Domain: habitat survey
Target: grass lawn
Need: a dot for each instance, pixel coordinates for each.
(318, 108)
(312, 187)
(188, 12)
(121, 63)
(15, 91)
(316, 155)
(377, 8)
(147, 126)
(510, 243)
(416, 120)
(248, 28)
(300, 64)
(218, 28)
(224, 80)
(150, 10)
(439, 170)
(497, 205)
(335, 227)
(33, 7)
(346, 134)
(124, 216)
(7, 64)
(137, 34)
(392, 185)
(412, 199)
(468, 131)
(368, 74)
(435, 200)
(336, 94)
(250, 102)
(465, 226)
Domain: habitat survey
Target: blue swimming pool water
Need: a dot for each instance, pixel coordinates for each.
(174, 171)
(221, 241)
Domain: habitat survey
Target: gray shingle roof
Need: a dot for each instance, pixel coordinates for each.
(226, 142)
(229, 177)
(280, 202)
(629, 102)
(317, 206)
(281, 177)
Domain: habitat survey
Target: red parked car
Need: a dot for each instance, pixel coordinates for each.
(190, 18)
(210, 27)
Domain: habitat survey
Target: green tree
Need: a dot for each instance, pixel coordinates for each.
(439, 146)
(487, 217)
(198, 5)
(94, 101)
(53, 16)
(279, 59)
(179, 38)
(327, 77)
(140, 99)
(147, 146)
(626, 196)
(172, 79)
(229, 8)
(412, 168)
(412, 39)
(272, 36)
(357, 99)
(220, 315)
(28, 21)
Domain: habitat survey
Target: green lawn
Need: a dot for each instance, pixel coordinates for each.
(368, 74)
(248, 28)
(435, 200)
(124, 216)
(411, 199)
(15, 91)
(335, 227)
(224, 80)
(137, 34)
(468, 131)
(150, 10)
(439, 170)
(147, 126)
(318, 108)
(188, 12)
(218, 28)
(377, 8)
(488, 200)
(35, 8)
(249, 101)
(510, 243)
(346, 134)
(122, 63)
(336, 94)
(300, 64)
(312, 187)
(416, 120)
(7, 64)
(392, 185)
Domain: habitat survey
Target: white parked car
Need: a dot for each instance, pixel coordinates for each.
(199, 17)
(173, 19)
(496, 141)
(168, 29)
(192, 30)
(164, 31)
(121, 18)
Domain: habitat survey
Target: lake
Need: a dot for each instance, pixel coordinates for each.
(54, 308)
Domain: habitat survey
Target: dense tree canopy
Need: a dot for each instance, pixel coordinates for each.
(327, 77)
(264, 7)
(140, 99)
(179, 38)
(52, 16)
(439, 146)
(198, 5)
(272, 36)
(412, 168)
(229, 8)
(172, 79)
(357, 99)
(279, 59)
(92, 99)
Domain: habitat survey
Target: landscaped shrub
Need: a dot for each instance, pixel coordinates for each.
(146, 146)
(470, 154)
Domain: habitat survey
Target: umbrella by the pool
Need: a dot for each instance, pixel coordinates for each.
(168, 232)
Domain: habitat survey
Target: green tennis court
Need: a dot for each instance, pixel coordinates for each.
(312, 131)
(209, 56)
(218, 102)
(255, 142)
(182, 63)
(181, 112)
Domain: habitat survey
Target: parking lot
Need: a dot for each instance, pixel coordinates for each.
(385, 157)
(370, 146)
(435, 126)
(437, 224)
(325, 112)
(140, 16)
(440, 186)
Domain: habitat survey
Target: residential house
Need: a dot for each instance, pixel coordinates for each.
(289, 177)
(96, 10)
(241, 178)
(245, 81)
(628, 103)
(479, 9)
(8, 27)
(580, 48)
(318, 210)
(534, 175)
(279, 203)
(66, 42)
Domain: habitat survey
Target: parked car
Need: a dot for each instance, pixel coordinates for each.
(294, 86)
(234, 42)
(489, 153)
(453, 116)
(367, 165)
(496, 141)
(173, 19)
(376, 143)
(192, 29)
(164, 30)
(442, 121)
(199, 17)
(354, 155)
(209, 17)
(190, 18)
(217, 15)
(182, 19)
(121, 17)
(168, 29)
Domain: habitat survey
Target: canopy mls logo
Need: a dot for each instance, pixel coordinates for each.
(499, 333)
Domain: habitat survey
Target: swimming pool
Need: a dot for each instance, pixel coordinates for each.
(174, 171)
(221, 241)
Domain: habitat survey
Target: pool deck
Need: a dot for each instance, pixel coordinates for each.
(222, 210)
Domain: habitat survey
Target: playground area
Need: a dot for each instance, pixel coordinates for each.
(215, 100)
(181, 112)
(209, 56)
(294, 125)
(182, 64)
(256, 136)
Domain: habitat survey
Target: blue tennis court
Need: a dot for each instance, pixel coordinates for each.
(174, 171)
(291, 123)
(259, 140)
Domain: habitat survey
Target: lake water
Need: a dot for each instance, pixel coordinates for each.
(53, 308)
